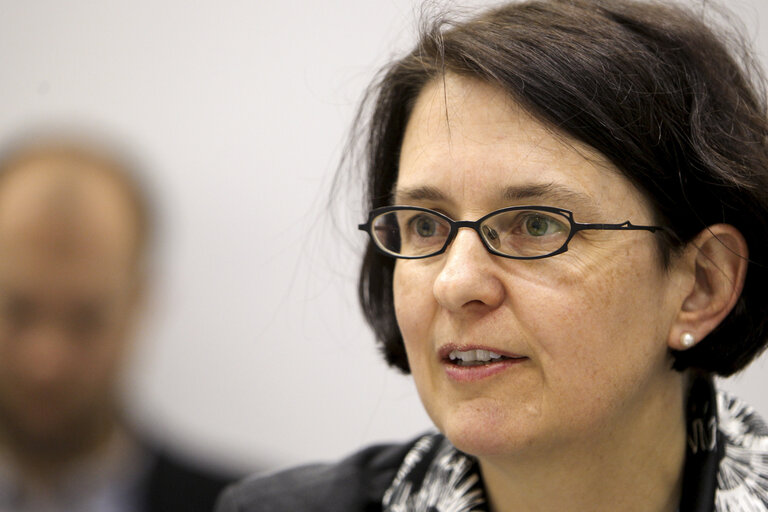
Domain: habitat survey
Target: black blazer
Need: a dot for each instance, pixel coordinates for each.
(174, 485)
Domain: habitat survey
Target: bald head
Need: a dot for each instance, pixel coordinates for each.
(68, 196)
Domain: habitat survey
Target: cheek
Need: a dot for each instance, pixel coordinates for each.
(605, 330)
(415, 306)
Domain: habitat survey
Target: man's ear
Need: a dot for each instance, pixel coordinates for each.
(716, 260)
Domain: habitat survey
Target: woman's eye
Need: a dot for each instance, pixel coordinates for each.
(424, 226)
(540, 225)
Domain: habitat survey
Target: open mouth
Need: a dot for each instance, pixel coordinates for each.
(476, 357)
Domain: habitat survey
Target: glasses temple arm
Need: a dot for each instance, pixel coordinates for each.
(618, 227)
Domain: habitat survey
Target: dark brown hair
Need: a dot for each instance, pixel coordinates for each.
(676, 105)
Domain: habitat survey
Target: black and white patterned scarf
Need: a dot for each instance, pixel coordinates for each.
(726, 466)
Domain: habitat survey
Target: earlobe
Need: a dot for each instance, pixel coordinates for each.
(717, 260)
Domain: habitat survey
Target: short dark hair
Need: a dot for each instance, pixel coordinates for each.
(676, 105)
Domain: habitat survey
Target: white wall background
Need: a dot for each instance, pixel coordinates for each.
(254, 350)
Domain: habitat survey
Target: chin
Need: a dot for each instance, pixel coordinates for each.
(486, 431)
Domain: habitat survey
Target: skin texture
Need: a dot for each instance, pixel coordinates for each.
(594, 324)
(69, 290)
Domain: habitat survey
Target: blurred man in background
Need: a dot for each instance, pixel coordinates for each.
(74, 229)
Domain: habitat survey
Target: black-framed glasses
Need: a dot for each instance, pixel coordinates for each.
(518, 232)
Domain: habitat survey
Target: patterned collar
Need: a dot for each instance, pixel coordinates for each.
(726, 468)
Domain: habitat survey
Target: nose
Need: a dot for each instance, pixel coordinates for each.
(469, 276)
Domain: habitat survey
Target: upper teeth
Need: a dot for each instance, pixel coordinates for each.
(473, 355)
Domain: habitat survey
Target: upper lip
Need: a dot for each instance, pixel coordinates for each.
(446, 350)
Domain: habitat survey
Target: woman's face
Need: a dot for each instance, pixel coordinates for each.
(584, 333)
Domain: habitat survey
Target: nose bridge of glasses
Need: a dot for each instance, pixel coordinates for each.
(477, 226)
(471, 224)
(485, 230)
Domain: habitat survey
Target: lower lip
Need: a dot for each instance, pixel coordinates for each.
(475, 373)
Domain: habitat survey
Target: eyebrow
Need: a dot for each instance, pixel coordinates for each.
(551, 191)
(425, 193)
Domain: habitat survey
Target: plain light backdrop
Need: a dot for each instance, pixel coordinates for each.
(253, 349)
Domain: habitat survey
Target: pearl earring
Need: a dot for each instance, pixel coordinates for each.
(687, 340)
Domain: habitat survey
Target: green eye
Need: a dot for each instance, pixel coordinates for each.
(425, 226)
(537, 225)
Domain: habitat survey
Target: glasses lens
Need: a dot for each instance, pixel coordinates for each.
(410, 233)
(526, 233)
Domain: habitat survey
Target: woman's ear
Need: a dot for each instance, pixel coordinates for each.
(717, 262)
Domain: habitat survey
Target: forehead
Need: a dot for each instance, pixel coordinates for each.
(472, 142)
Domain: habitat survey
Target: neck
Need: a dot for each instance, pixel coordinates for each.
(634, 466)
